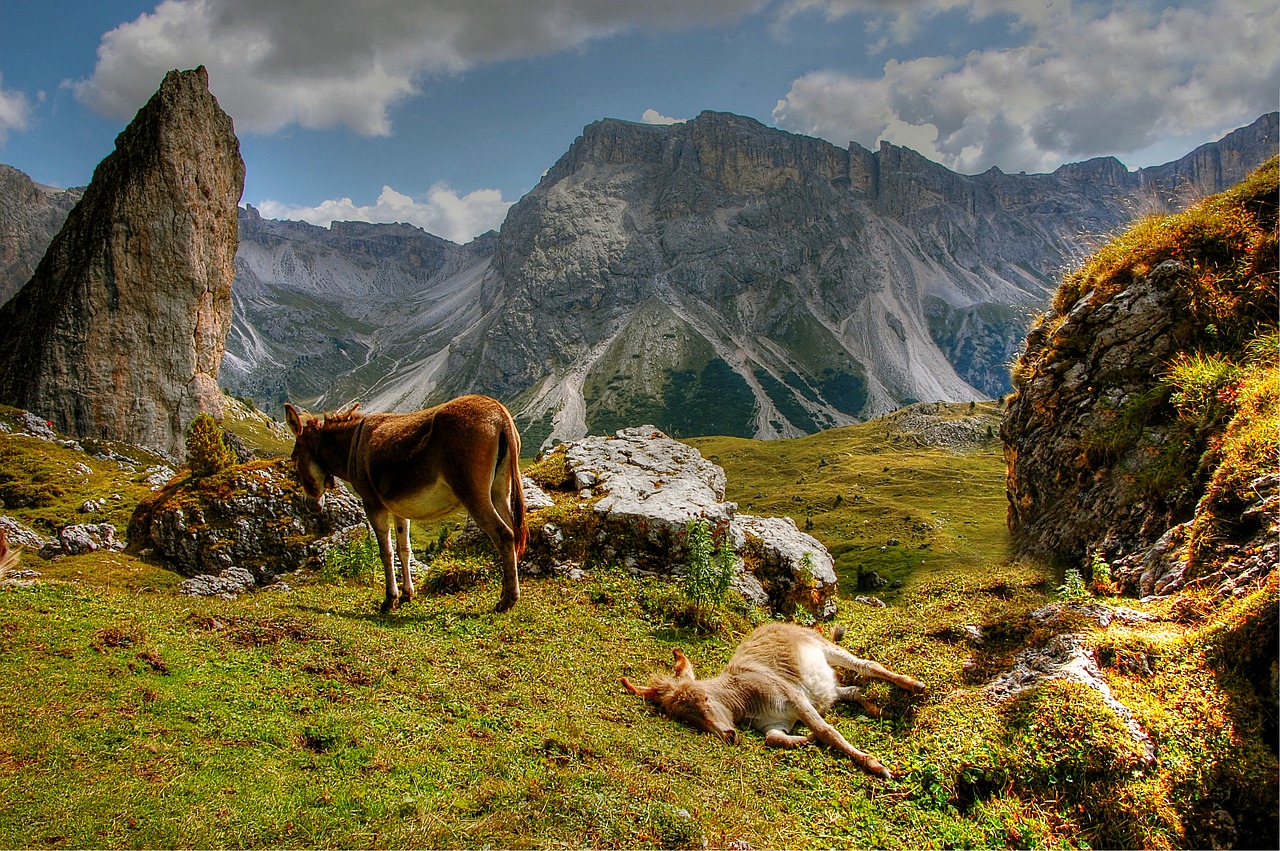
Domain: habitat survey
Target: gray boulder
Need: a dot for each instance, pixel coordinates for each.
(633, 496)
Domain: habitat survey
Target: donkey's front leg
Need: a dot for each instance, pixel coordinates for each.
(379, 519)
(406, 559)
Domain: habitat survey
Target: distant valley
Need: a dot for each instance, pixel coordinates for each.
(711, 277)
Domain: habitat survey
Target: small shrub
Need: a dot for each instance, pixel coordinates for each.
(207, 452)
(1100, 574)
(358, 559)
(709, 567)
(1073, 586)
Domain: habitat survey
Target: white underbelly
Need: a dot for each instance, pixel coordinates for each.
(430, 504)
(817, 682)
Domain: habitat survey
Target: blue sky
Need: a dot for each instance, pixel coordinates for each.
(444, 112)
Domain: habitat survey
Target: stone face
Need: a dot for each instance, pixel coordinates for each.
(634, 495)
(1064, 497)
(120, 333)
(253, 517)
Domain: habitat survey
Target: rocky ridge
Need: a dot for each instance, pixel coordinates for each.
(717, 276)
(30, 217)
(120, 332)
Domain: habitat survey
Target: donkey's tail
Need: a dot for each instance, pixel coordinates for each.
(521, 531)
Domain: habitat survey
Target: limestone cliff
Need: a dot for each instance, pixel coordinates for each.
(1143, 430)
(121, 331)
(30, 217)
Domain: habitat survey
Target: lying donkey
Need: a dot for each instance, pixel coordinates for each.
(421, 466)
(780, 674)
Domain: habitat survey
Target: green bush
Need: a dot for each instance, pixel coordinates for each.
(207, 452)
(359, 559)
(708, 567)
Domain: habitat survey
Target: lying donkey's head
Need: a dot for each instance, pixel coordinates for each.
(687, 700)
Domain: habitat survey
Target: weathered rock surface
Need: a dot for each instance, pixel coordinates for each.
(632, 497)
(1107, 455)
(1065, 657)
(120, 333)
(253, 517)
(1065, 498)
(30, 217)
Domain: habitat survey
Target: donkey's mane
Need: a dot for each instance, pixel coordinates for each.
(347, 413)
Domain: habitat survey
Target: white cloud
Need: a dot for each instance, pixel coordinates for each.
(652, 116)
(1078, 87)
(443, 213)
(14, 111)
(324, 63)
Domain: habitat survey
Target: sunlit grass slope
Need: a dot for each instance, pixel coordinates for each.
(132, 717)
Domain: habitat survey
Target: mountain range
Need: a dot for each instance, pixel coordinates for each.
(712, 277)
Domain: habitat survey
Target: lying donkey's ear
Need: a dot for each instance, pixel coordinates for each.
(646, 693)
(683, 668)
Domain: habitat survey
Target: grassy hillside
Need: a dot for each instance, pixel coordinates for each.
(133, 717)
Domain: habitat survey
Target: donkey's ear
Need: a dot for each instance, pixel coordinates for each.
(646, 693)
(293, 419)
(683, 667)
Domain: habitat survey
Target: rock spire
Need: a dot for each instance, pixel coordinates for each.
(120, 332)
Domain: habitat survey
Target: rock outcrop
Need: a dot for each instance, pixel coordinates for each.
(121, 331)
(1143, 428)
(254, 517)
(628, 499)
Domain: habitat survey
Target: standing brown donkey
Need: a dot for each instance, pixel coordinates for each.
(781, 674)
(421, 466)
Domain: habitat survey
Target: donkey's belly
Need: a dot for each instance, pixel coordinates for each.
(429, 504)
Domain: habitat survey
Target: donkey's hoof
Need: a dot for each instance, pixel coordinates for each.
(388, 604)
(506, 602)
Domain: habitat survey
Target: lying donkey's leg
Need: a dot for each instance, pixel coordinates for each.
(778, 736)
(838, 657)
(379, 519)
(830, 736)
(853, 694)
(406, 559)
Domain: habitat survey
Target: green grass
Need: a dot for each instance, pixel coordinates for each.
(133, 717)
(863, 486)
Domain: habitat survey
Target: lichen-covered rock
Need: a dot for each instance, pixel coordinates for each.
(23, 535)
(228, 584)
(120, 332)
(1066, 496)
(1065, 657)
(793, 566)
(1143, 427)
(628, 500)
(254, 517)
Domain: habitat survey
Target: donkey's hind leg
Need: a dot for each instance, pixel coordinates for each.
(406, 559)
(838, 657)
(476, 494)
(853, 694)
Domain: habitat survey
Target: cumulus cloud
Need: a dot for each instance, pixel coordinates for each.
(14, 111)
(1078, 87)
(459, 218)
(325, 63)
(652, 116)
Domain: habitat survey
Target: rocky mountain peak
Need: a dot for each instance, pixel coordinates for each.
(121, 330)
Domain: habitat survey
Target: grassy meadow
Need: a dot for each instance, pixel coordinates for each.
(133, 717)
